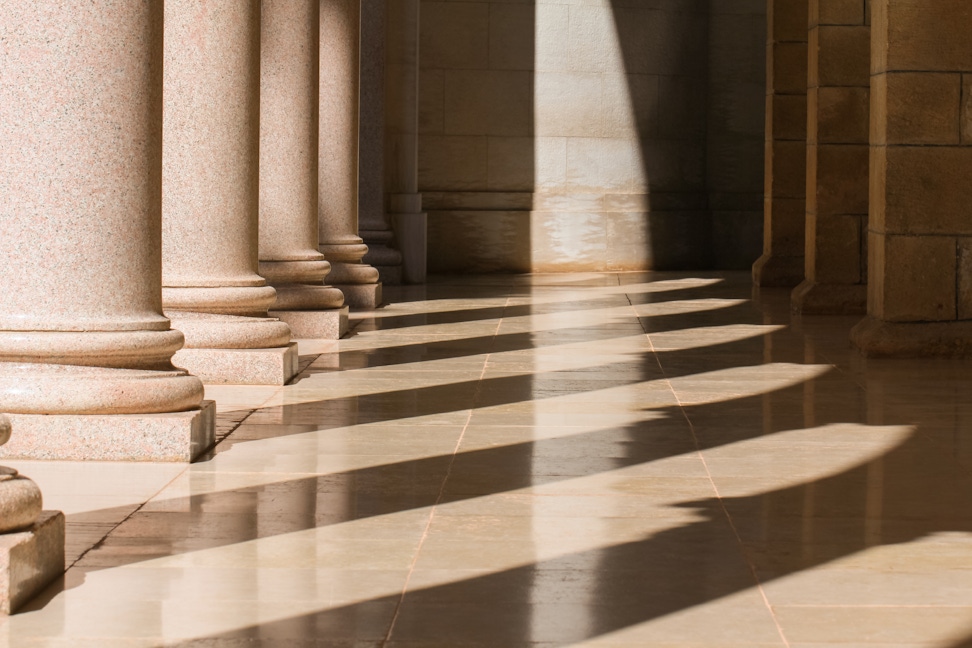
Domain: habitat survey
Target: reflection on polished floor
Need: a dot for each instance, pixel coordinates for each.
(648, 459)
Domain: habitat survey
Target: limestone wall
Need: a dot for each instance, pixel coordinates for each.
(591, 135)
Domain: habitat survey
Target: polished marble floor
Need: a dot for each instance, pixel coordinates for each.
(547, 461)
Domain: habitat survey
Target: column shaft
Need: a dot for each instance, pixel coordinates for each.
(338, 154)
(404, 202)
(785, 166)
(81, 326)
(837, 160)
(289, 258)
(211, 286)
(372, 224)
(920, 233)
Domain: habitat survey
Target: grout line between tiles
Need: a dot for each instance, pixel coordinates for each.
(715, 489)
(441, 494)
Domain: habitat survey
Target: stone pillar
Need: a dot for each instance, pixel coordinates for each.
(338, 155)
(404, 202)
(31, 539)
(210, 176)
(372, 225)
(837, 160)
(289, 258)
(784, 204)
(920, 233)
(85, 352)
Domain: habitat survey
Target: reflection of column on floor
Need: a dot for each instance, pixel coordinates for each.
(338, 155)
(404, 202)
(786, 131)
(920, 233)
(82, 335)
(289, 258)
(31, 540)
(211, 288)
(837, 160)
(372, 226)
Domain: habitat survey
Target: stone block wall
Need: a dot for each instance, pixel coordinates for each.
(559, 136)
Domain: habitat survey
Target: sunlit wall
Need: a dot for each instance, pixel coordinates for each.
(611, 135)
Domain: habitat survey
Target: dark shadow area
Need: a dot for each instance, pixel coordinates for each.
(701, 130)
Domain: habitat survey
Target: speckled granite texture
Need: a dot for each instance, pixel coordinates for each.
(30, 560)
(175, 436)
(241, 366)
(322, 325)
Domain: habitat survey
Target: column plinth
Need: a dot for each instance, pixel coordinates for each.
(31, 539)
(82, 330)
(210, 174)
(289, 258)
(339, 41)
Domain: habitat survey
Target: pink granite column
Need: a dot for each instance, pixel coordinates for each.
(31, 539)
(401, 135)
(338, 154)
(210, 176)
(289, 259)
(82, 334)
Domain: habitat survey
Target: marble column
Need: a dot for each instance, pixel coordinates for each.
(919, 298)
(289, 258)
(211, 287)
(404, 202)
(338, 155)
(837, 160)
(31, 539)
(784, 201)
(85, 351)
(372, 224)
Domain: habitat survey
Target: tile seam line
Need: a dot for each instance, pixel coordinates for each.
(441, 494)
(722, 506)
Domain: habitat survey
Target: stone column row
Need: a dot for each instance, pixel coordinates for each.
(130, 211)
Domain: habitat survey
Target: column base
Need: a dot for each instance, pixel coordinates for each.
(879, 339)
(315, 324)
(30, 560)
(811, 298)
(390, 275)
(361, 296)
(173, 436)
(771, 271)
(273, 366)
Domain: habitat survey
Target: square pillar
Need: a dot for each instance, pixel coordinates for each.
(920, 232)
(786, 138)
(838, 89)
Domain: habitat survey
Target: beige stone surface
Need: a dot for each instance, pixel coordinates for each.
(324, 325)
(243, 366)
(80, 171)
(169, 436)
(30, 560)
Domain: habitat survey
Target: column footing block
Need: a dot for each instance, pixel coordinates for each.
(315, 325)
(877, 338)
(30, 560)
(274, 366)
(170, 436)
(361, 296)
(811, 298)
(772, 271)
